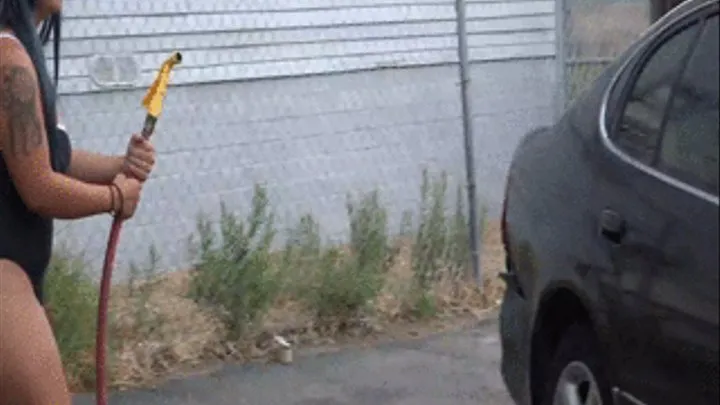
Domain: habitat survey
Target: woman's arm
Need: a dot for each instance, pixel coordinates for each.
(23, 143)
(94, 167)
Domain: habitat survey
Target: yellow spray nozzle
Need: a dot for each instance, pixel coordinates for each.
(153, 100)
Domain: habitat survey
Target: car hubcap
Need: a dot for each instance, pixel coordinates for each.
(577, 386)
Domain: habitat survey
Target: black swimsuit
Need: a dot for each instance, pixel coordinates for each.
(26, 238)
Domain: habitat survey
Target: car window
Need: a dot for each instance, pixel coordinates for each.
(639, 125)
(689, 148)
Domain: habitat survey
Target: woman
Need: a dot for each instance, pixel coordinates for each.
(42, 177)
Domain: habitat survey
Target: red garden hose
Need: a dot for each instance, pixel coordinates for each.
(101, 337)
(105, 284)
(153, 103)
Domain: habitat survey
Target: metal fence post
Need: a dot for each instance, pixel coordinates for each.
(560, 58)
(462, 47)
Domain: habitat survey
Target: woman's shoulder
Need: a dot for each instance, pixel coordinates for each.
(12, 52)
(17, 72)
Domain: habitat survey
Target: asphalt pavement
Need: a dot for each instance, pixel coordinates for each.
(459, 368)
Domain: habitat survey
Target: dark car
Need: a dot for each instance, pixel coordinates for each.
(610, 225)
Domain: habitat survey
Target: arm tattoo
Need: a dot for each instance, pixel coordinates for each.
(17, 101)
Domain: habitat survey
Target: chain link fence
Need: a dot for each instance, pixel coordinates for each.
(304, 99)
(313, 100)
(591, 34)
(306, 149)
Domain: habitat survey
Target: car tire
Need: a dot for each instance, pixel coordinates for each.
(576, 370)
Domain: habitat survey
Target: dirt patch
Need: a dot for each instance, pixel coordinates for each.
(172, 335)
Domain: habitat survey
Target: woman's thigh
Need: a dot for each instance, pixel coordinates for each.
(31, 372)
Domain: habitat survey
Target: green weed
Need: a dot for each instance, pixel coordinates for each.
(234, 277)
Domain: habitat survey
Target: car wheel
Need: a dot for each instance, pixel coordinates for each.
(575, 376)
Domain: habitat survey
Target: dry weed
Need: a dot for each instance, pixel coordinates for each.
(176, 333)
(183, 336)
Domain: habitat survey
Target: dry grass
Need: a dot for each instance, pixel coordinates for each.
(175, 335)
(596, 33)
(606, 29)
(453, 298)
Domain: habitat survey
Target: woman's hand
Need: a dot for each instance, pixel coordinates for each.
(126, 195)
(139, 158)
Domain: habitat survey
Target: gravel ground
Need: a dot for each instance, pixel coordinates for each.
(459, 368)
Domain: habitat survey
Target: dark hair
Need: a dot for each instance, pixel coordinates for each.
(19, 15)
(51, 26)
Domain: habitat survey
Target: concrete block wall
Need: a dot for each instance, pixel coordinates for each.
(310, 138)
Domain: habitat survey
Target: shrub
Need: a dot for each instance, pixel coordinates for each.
(348, 282)
(301, 257)
(369, 239)
(234, 277)
(441, 249)
(424, 304)
(72, 299)
(458, 254)
(430, 249)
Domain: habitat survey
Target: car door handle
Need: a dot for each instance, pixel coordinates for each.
(612, 226)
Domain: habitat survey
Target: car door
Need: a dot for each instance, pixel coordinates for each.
(658, 226)
(684, 291)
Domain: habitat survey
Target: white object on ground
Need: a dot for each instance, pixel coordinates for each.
(284, 350)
